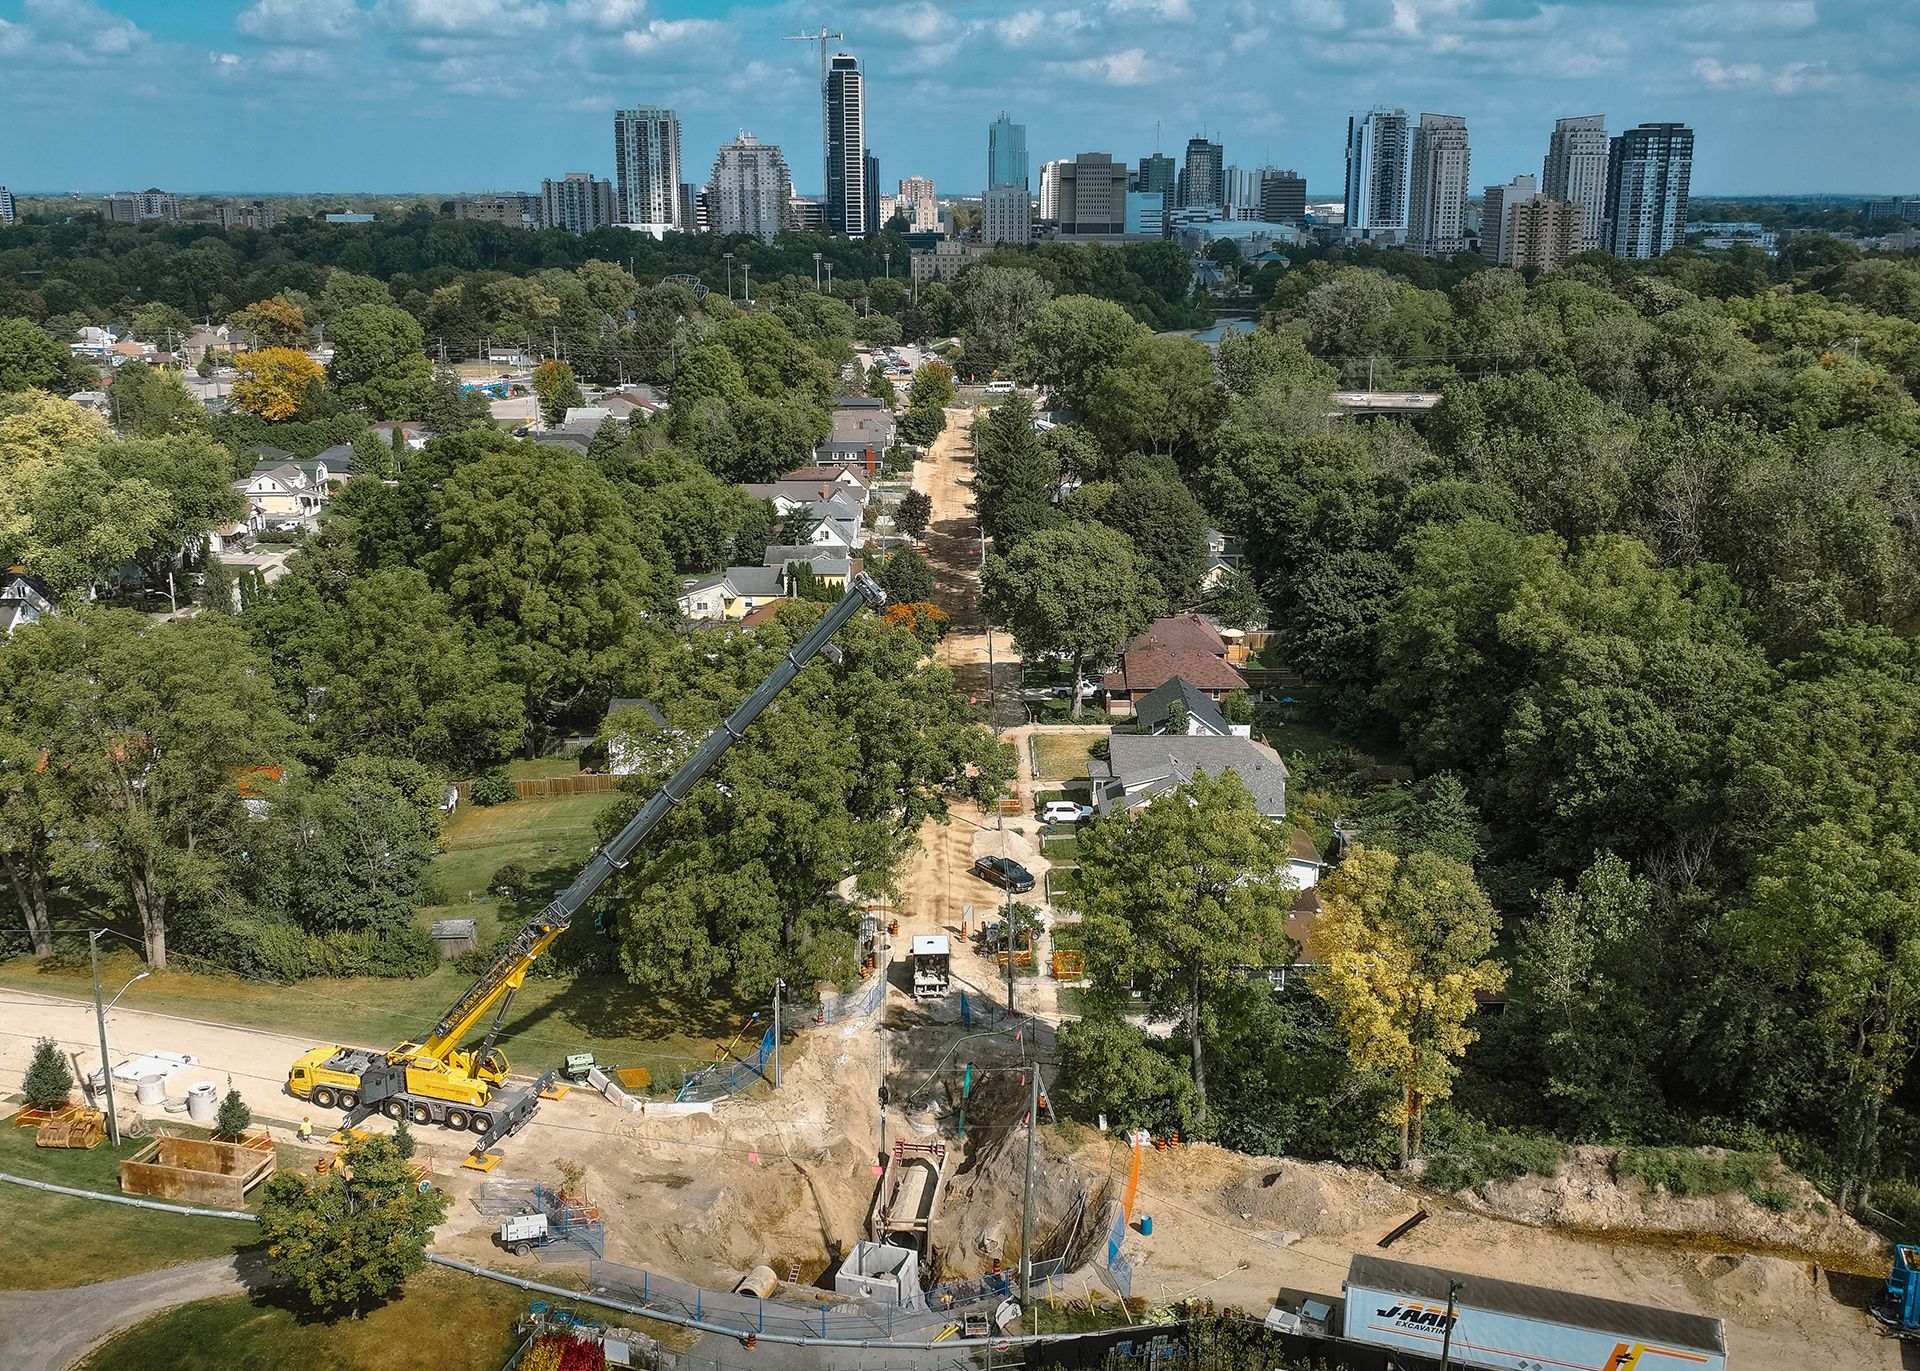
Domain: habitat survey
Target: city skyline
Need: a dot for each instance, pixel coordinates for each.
(495, 94)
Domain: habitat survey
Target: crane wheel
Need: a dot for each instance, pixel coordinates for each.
(480, 1123)
(394, 1109)
(420, 1114)
(457, 1119)
(323, 1097)
(349, 1098)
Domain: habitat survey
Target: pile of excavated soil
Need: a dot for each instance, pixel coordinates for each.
(1587, 1193)
(1310, 1200)
(1761, 1285)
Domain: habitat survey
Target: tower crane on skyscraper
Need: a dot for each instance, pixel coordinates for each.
(823, 38)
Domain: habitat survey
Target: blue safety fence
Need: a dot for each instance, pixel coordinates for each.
(959, 1294)
(855, 1004)
(722, 1079)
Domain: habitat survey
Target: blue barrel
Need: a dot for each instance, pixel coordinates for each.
(1146, 1225)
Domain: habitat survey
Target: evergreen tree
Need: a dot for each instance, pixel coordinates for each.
(48, 1076)
(234, 1117)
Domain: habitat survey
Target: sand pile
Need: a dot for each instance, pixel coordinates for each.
(1312, 1200)
(1761, 1285)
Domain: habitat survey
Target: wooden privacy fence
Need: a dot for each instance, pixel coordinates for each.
(552, 787)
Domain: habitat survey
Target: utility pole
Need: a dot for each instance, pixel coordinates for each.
(1026, 1197)
(1012, 921)
(816, 273)
(1446, 1339)
(100, 1014)
(729, 257)
(778, 986)
(747, 267)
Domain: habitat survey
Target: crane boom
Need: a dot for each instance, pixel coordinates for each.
(498, 982)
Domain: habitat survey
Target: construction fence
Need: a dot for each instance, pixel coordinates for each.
(723, 1078)
(857, 1003)
(749, 1314)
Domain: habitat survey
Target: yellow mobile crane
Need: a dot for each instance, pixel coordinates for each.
(436, 1080)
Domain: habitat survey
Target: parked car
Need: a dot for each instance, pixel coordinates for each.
(1064, 812)
(1004, 871)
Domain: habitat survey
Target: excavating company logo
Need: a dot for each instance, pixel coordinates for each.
(1626, 1356)
(1409, 1314)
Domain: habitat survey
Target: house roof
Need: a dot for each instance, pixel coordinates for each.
(1151, 711)
(834, 475)
(822, 560)
(263, 454)
(753, 618)
(1180, 632)
(1144, 669)
(628, 704)
(1153, 764)
(339, 457)
(812, 492)
(1302, 919)
(859, 402)
(453, 928)
(1302, 849)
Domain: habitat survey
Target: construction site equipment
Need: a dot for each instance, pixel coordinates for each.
(1897, 1308)
(75, 1128)
(908, 1200)
(577, 1065)
(1069, 966)
(1482, 1322)
(199, 1171)
(435, 1080)
(932, 966)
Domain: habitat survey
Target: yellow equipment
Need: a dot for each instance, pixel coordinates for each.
(436, 1080)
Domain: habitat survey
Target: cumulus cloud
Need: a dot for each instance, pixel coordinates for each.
(1038, 28)
(1126, 68)
(84, 28)
(1792, 78)
(1178, 10)
(672, 33)
(464, 18)
(917, 23)
(299, 23)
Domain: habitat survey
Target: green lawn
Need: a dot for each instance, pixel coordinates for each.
(553, 838)
(539, 768)
(444, 1321)
(53, 1242)
(1063, 756)
(1061, 847)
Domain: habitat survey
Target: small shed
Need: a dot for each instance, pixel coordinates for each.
(455, 936)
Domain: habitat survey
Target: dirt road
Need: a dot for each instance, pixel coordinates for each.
(954, 548)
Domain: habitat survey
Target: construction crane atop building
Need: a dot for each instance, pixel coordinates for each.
(823, 38)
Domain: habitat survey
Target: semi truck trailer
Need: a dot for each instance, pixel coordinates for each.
(1507, 1326)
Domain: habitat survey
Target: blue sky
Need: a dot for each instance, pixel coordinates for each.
(447, 95)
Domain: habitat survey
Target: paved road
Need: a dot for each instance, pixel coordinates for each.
(49, 1330)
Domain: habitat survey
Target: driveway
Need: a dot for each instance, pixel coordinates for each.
(49, 1330)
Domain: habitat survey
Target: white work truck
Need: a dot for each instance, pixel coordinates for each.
(932, 972)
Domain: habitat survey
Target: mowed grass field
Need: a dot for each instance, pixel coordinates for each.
(1063, 756)
(550, 1017)
(442, 1321)
(54, 1242)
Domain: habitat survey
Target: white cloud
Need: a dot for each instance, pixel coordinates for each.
(89, 31)
(1750, 16)
(1320, 16)
(13, 37)
(917, 23)
(1127, 68)
(670, 33)
(606, 16)
(299, 23)
(492, 19)
(1036, 28)
(1794, 78)
(1178, 10)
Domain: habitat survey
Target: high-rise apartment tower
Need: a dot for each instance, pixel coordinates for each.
(1437, 186)
(1575, 172)
(1648, 169)
(846, 113)
(1377, 172)
(646, 168)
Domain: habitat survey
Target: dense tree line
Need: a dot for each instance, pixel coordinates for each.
(1635, 602)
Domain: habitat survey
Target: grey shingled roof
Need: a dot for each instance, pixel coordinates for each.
(1141, 760)
(1151, 711)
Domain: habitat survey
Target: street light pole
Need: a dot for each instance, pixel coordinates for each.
(816, 273)
(1446, 1338)
(729, 257)
(778, 986)
(100, 1016)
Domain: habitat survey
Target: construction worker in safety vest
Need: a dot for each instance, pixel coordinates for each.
(306, 1129)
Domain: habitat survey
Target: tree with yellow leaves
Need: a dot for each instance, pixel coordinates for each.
(275, 322)
(274, 381)
(1404, 944)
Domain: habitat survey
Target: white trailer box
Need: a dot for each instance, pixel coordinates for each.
(1512, 1327)
(932, 966)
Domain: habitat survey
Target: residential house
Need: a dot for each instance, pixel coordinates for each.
(789, 493)
(1185, 646)
(289, 491)
(633, 402)
(731, 594)
(24, 599)
(95, 400)
(336, 463)
(862, 431)
(833, 570)
(627, 729)
(585, 417)
(233, 534)
(1141, 767)
(848, 478)
(1225, 555)
(837, 510)
(413, 434)
(1204, 717)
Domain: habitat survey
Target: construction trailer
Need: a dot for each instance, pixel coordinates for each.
(932, 966)
(1507, 1326)
(436, 1080)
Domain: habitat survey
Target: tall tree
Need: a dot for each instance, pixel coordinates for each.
(1073, 594)
(274, 382)
(1160, 395)
(553, 382)
(146, 403)
(379, 365)
(914, 514)
(1404, 946)
(354, 1234)
(1069, 340)
(539, 550)
(1177, 900)
(997, 303)
(150, 729)
(32, 360)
